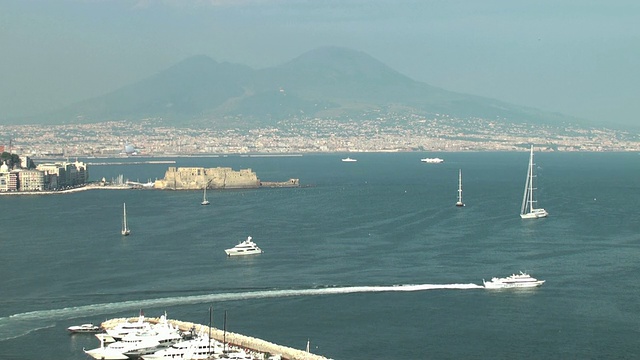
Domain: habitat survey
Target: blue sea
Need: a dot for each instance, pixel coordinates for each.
(340, 254)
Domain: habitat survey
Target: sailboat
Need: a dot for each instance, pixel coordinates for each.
(528, 211)
(459, 202)
(204, 197)
(125, 229)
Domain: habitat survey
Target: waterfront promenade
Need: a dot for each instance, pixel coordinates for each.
(246, 342)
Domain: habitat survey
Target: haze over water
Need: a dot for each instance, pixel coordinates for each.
(373, 260)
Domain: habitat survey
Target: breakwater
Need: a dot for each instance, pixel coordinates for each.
(246, 342)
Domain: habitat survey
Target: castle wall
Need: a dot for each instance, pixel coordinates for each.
(191, 178)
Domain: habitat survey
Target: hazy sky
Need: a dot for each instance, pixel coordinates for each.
(580, 58)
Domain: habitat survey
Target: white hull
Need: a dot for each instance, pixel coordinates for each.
(432, 160)
(349, 160)
(231, 252)
(490, 285)
(535, 214)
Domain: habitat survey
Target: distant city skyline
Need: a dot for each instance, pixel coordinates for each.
(575, 58)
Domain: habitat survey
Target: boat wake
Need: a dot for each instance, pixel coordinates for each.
(23, 323)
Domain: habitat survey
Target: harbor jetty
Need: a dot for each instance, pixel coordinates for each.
(246, 342)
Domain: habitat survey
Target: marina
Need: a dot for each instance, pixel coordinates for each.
(257, 348)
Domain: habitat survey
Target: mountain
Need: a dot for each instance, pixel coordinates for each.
(328, 81)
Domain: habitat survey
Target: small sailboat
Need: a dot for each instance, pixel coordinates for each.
(204, 197)
(459, 202)
(125, 229)
(527, 211)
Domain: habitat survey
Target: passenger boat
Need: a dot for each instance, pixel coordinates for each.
(84, 328)
(522, 280)
(527, 211)
(247, 247)
(432, 160)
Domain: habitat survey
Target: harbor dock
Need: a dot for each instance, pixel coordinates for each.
(246, 342)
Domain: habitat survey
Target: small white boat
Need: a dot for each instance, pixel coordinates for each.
(459, 202)
(247, 247)
(84, 328)
(348, 159)
(522, 280)
(432, 160)
(204, 197)
(125, 228)
(527, 211)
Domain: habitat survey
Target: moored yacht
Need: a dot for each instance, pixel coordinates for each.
(201, 347)
(247, 247)
(522, 280)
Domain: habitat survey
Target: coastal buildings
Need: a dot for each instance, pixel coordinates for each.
(51, 176)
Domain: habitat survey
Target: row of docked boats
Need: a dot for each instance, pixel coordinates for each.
(142, 340)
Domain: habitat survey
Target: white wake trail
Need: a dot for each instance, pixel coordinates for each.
(23, 323)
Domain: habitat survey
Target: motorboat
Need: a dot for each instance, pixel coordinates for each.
(247, 247)
(84, 328)
(527, 211)
(348, 159)
(432, 160)
(522, 280)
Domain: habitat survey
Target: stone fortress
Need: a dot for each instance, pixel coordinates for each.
(191, 178)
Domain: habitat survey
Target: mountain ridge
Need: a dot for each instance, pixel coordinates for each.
(328, 80)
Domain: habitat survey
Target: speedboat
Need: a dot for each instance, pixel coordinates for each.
(522, 280)
(84, 328)
(247, 247)
(432, 160)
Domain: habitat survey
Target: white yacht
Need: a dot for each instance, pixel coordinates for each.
(522, 280)
(348, 159)
(432, 160)
(126, 328)
(84, 328)
(247, 247)
(195, 349)
(136, 344)
(527, 211)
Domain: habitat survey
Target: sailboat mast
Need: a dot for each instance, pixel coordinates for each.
(460, 185)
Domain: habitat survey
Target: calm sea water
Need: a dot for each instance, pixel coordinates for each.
(385, 220)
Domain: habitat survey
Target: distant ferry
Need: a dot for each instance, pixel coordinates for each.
(348, 159)
(522, 280)
(432, 160)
